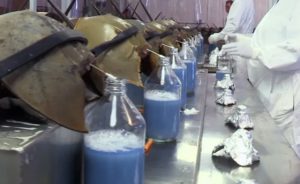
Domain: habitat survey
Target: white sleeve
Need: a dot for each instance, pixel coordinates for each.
(281, 57)
(235, 16)
(284, 56)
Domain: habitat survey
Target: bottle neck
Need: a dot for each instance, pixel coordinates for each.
(164, 61)
(173, 59)
(184, 51)
(115, 86)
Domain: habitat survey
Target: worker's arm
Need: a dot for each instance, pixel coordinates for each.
(235, 17)
(280, 56)
(284, 56)
(234, 21)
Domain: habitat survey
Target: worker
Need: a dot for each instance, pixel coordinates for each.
(273, 60)
(228, 5)
(239, 20)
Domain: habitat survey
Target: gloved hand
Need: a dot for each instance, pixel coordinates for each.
(240, 46)
(234, 37)
(214, 38)
(243, 49)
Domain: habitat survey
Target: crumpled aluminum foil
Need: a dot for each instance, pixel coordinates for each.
(245, 181)
(226, 83)
(226, 98)
(240, 118)
(238, 147)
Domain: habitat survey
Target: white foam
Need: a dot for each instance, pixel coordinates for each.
(159, 95)
(192, 111)
(112, 140)
(177, 67)
(189, 61)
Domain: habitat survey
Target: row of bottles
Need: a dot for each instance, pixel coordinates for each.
(166, 91)
(114, 146)
(189, 59)
(197, 45)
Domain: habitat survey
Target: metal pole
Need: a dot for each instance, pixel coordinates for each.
(158, 16)
(61, 14)
(64, 5)
(116, 8)
(147, 12)
(99, 12)
(32, 5)
(135, 8)
(70, 7)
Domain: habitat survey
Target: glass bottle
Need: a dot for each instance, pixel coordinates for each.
(189, 59)
(180, 70)
(200, 48)
(136, 93)
(162, 102)
(193, 46)
(223, 67)
(78, 9)
(114, 146)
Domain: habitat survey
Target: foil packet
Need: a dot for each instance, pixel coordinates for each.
(226, 83)
(226, 98)
(240, 118)
(239, 148)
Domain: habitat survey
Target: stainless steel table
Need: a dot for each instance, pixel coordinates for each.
(177, 162)
(278, 165)
(34, 153)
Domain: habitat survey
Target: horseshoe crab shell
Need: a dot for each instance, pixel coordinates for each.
(52, 85)
(122, 60)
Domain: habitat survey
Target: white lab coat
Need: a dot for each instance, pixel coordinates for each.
(241, 18)
(276, 74)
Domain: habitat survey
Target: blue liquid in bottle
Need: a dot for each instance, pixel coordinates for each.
(114, 166)
(191, 75)
(120, 167)
(136, 93)
(181, 74)
(220, 75)
(162, 115)
(199, 53)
